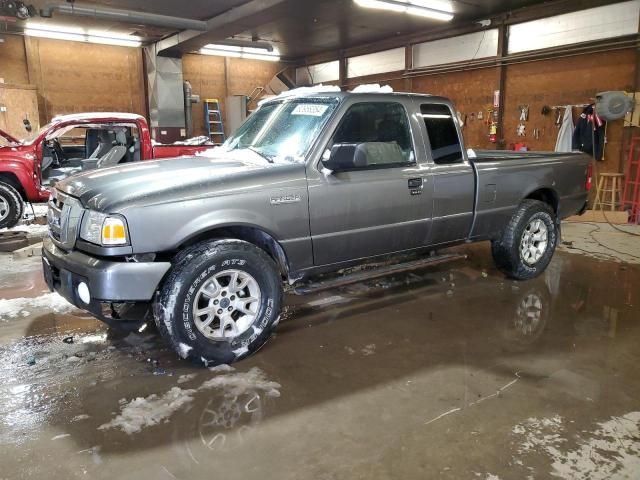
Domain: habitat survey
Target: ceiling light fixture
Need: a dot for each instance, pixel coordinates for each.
(77, 34)
(435, 9)
(253, 53)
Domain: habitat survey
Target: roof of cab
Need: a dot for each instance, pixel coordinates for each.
(98, 116)
(362, 95)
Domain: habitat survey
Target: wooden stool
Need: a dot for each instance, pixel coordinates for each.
(608, 183)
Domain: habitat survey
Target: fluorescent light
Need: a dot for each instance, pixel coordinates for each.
(74, 37)
(54, 28)
(113, 41)
(437, 10)
(220, 53)
(253, 53)
(77, 34)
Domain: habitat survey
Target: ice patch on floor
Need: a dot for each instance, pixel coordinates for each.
(12, 266)
(223, 367)
(22, 307)
(183, 350)
(186, 378)
(611, 451)
(152, 410)
(33, 229)
(148, 411)
(369, 349)
(239, 383)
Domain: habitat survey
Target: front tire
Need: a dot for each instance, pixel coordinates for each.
(11, 206)
(220, 302)
(528, 242)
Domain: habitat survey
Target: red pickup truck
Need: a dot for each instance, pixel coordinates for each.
(70, 144)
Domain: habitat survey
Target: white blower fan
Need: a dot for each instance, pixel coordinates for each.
(613, 105)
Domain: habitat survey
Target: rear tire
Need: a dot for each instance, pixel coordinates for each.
(528, 242)
(220, 302)
(11, 206)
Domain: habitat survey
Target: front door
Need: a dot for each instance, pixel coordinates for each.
(380, 207)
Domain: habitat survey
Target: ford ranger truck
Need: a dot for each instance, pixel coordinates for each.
(308, 185)
(68, 145)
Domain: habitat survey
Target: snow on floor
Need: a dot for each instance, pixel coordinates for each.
(40, 210)
(154, 409)
(23, 307)
(611, 451)
(27, 225)
(13, 266)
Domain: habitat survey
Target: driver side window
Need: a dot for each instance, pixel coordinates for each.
(381, 131)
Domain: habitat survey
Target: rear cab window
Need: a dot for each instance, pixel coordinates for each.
(446, 148)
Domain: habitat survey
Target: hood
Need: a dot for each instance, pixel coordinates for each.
(147, 183)
(9, 138)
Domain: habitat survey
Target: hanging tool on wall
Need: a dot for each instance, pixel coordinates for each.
(524, 113)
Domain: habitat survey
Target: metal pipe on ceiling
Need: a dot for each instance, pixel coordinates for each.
(127, 16)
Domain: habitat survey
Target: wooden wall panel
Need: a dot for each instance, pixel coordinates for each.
(206, 73)
(214, 77)
(472, 92)
(13, 60)
(567, 81)
(77, 77)
(21, 103)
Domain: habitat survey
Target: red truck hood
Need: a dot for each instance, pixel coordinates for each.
(9, 138)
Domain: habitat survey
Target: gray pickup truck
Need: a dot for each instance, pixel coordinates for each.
(310, 184)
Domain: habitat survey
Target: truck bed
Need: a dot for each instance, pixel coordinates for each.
(505, 177)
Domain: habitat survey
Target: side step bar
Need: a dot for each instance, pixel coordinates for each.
(362, 275)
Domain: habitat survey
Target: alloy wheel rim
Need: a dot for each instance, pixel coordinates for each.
(4, 208)
(226, 305)
(534, 242)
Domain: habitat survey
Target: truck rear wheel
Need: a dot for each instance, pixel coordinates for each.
(528, 242)
(220, 301)
(11, 206)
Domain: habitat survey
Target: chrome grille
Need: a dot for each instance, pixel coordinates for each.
(63, 218)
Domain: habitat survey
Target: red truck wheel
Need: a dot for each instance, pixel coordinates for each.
(11, 206)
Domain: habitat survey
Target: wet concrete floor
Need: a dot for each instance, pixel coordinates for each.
(452, 372)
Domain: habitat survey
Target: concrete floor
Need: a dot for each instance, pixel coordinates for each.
(453, 372)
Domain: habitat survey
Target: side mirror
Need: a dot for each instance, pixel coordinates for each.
(345, 156)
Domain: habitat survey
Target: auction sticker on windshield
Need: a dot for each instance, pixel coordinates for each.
(312, 109)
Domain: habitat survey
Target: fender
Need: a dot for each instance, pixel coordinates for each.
(15, 166)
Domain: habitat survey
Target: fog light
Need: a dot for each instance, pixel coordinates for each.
(83, 293)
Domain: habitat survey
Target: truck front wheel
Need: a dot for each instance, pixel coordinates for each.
(220, 301)
(528, 242)
(11, 206)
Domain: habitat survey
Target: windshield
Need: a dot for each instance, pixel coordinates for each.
(283, 130)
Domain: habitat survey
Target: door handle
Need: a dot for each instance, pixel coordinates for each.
(415, 183)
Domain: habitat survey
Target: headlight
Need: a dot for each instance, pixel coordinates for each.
(103, 229)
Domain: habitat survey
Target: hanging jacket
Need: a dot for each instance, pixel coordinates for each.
(564, 141)
(588, 137)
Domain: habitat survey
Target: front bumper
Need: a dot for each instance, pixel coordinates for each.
(108, 281)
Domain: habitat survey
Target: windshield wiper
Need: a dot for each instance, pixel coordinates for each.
(268, 158)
